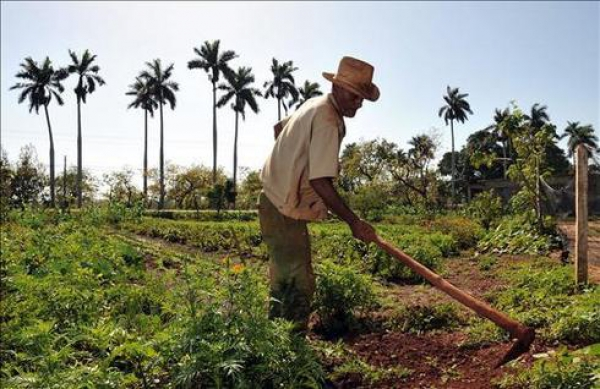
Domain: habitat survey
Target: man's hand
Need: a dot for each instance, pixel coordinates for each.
(360, 229)
(363, 231)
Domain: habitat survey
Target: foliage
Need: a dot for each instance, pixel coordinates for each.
(341, 293)
(486, 208)
(80, 309)
(422, 318)
(515, 235)
(578, 369)
(544, 296)
(212, 351)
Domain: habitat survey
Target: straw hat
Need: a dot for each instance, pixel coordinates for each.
(356, 76)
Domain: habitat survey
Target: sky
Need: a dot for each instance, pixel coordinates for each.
(497, 52)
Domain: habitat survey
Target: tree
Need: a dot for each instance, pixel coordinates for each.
(307, 91)
(456, 108)
(499, 133)
(144, 99)
(163, 91)
(40, 86)
(214, 63)
(87, 77)
(188, 186)
(580, 135)
(282, 86)
(28, 181)
(249, 189)
(120, 187)
(67, 191)
(239, 88)
(6, 176)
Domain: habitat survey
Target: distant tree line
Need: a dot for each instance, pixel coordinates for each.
(369, 169)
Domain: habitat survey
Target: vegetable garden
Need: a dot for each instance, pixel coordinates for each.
(108, 298)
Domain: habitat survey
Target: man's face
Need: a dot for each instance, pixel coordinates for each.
(349, 102)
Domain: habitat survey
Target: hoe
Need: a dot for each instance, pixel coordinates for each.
(524, 335)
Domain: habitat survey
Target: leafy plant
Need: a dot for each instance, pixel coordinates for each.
(341, 293)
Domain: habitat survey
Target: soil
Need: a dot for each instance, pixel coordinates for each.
(568, 228)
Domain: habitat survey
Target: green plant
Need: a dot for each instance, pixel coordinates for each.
(561, 369)
(341, 292)
(418, 319)
(486, 208)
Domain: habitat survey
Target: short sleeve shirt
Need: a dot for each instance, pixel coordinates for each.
(307, 148)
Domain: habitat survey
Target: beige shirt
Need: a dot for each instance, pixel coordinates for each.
(307, 148)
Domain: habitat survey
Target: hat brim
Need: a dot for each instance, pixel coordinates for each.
(372, 94)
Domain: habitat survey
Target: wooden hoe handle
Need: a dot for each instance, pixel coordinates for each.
(516, 329)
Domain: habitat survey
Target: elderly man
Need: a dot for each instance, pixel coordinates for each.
(298, 186)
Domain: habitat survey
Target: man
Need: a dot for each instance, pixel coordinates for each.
(298, 186)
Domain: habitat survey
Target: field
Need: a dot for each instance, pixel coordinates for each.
(113, 299)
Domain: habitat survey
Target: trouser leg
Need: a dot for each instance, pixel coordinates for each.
(292, 281)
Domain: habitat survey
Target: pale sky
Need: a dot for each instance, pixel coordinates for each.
(546, 52)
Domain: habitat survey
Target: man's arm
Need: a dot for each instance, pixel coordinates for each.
(360, 229)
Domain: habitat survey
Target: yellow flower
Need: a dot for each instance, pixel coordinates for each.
(238, 267)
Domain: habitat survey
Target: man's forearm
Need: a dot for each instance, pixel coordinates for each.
(325, 189)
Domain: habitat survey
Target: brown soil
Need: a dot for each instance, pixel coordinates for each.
(568, 227)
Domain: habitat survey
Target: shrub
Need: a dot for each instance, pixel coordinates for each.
(486, 208)
(342, 291)
(419, 318)
(232, 343)
(465, 231)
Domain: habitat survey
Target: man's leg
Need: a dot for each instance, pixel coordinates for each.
(290, 269)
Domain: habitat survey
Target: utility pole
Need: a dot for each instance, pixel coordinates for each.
(581, 214)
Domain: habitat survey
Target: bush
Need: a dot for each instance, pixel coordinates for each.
(486, 208)
(341, 293)
(465, 231)
(232, 343)
(418, 319)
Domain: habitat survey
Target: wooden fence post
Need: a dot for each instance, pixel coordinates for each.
(581, 214)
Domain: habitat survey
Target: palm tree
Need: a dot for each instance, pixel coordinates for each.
(456, 108)
(580, 135)
(282, 86)
(214, 63)
(163, 91)
(499, 132)
(42, 83)
(87, 77)
(239, 88)
(143, 99)
(305, 92)
(538, 117)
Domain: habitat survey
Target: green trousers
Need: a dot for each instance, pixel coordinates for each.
(291, 275)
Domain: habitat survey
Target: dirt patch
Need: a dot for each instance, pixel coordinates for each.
(463, 273)
(568, 228)
(435, 360)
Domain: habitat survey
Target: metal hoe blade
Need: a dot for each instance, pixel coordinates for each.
(521, 346)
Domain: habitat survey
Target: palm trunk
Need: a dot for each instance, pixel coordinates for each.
(64, 202)
(278, 109)
(453, 162)
(145, 156)
(235, 148)
(504, 161)
(52, 187)
(214, 133)
(161, 200)
(79, 173)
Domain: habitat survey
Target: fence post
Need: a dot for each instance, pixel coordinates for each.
(581, 214)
